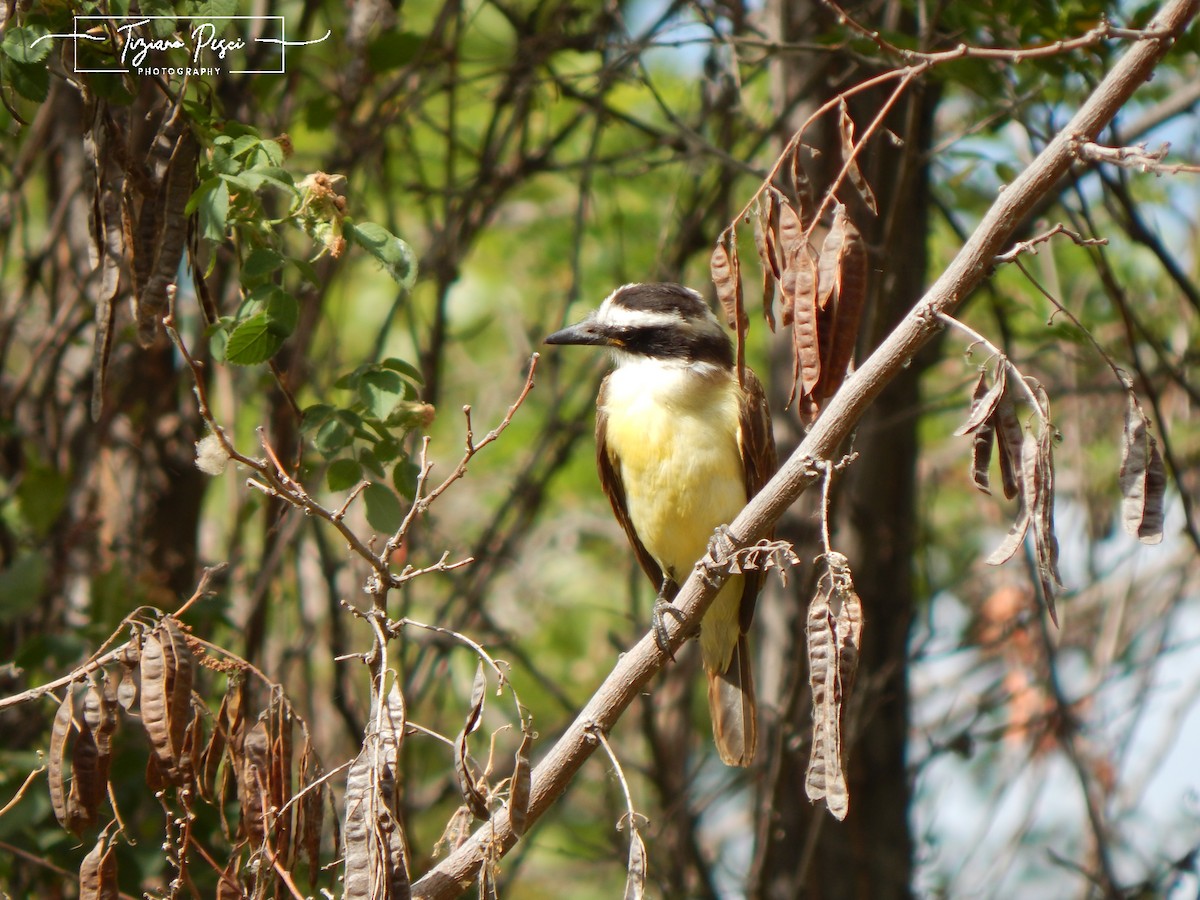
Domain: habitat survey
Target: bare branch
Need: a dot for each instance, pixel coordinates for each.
(1137, 157)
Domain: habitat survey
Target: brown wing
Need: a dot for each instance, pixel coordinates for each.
(757, 444)
(610, 481)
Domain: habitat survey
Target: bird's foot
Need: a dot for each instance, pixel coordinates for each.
(721, 546)
(663, 608)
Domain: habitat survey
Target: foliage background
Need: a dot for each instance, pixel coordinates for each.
(533, 156)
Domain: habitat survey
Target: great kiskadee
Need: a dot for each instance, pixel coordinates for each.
(681, 446)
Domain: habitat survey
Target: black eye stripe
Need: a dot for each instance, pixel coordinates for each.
(674, 342)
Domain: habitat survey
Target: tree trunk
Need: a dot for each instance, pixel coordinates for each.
(802, 850)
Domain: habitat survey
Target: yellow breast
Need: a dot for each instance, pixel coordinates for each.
(673, 438)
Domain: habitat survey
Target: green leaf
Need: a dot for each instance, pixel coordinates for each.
(159, 27)
(380, 391)
(343, 474)
(27, 44)
(306, 270)
(397, 257)
(404, 477)
(211, 9)
(320, 112)
(198, 195)
(43, 493)
(253, 341)
(392, 49)
(218, 337)
(260, 263)
(211, 200)
(273, 151)
(386, 450)
(371, 464)
(384, 512)
(243, 143)
(21, 585)
(283, 310)
(349, 381)
(30, 81)
(407, 369)
(315, 416)
(106, 85)
(272, 301)
(252, 180)
(335, 433)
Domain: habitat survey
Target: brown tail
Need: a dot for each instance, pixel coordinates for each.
(733, 708)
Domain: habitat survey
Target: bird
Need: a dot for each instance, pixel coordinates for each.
(683, 441)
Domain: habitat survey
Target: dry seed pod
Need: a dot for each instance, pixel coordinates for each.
(229, 887)
(822, 678)
(802, 186)
(193, 748)
(1143, 478)
(1009, 437)
(518, 794)
(253, 773)
(635, 879)
(1045, 540)
(374, 853)
(1020, 527)
(167, 667)
(281, 775)
(127, 688)
(723, 270)
(984, 400)
(88, 785)
(168, 237)
(834, 638)
(849, 636)
(60, 732)
(982, 443)
(311, 811)
(768, 227)
(981, 424)
(468, 782)
(854, 173)
(761, 237)
(806, 347)
(849, 292)
(180, 674)
(456, 832)
(791, 240)
(98, 872)
(827, 265)
(213, 753)
(154, 705)
(100, 714)
(108, 243)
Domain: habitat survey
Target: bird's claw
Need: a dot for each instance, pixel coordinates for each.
(662, 609)
(721, 546)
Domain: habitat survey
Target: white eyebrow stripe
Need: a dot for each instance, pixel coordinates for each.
(623, 316)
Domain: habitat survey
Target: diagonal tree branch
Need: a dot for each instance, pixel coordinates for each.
(968, 269)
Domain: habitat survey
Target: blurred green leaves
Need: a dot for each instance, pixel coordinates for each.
(362, 437)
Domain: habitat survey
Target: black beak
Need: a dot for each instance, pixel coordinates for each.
(585, 332)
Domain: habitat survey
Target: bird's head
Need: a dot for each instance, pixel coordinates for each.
(665, 322)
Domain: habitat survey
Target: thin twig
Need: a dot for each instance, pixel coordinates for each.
(1097, 35)
(22, 789)
(977, 338)
(1137, 157)
(1031, 245)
